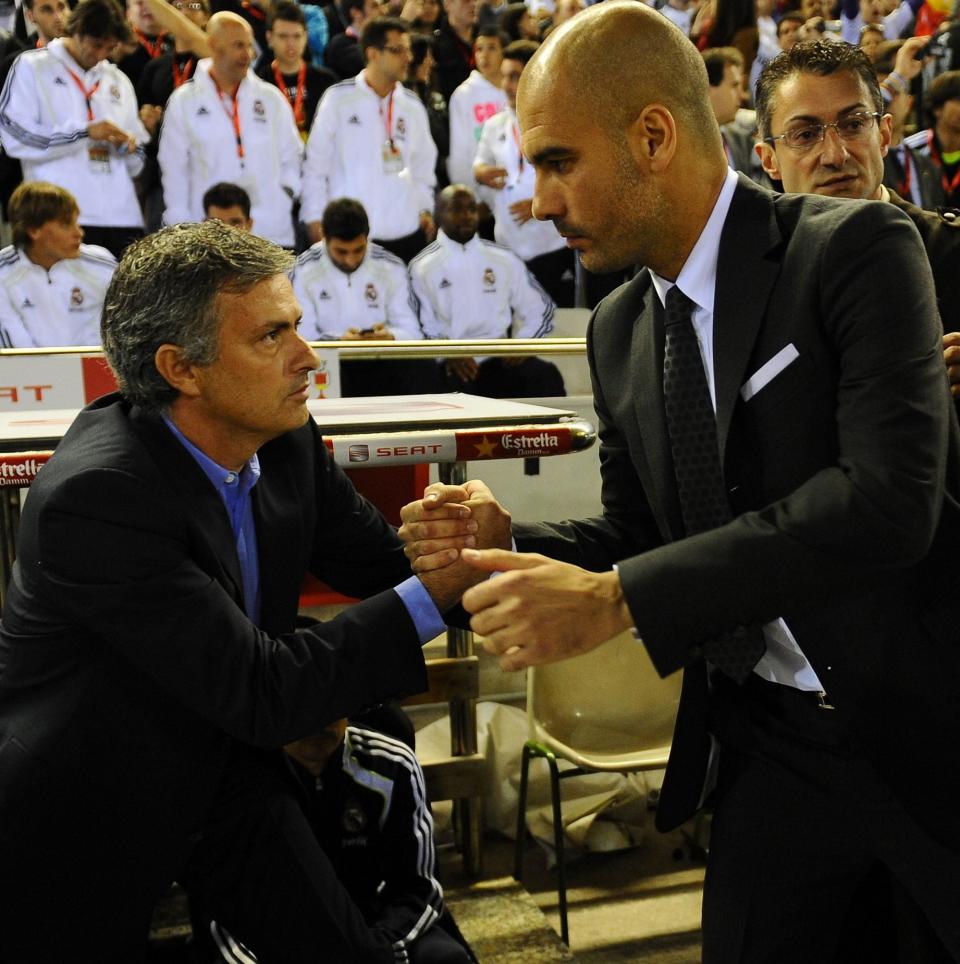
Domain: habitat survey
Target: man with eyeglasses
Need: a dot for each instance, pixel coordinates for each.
(371, 141)
(825, 131)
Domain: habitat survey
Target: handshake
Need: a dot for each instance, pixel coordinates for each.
(537, 610)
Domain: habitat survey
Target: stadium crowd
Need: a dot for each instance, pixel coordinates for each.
(117, 122)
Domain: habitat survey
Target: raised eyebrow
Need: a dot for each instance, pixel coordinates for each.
(810, 119)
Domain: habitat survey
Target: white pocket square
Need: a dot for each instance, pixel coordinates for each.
(767, 372)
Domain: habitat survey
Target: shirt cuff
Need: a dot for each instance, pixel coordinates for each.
(423, 611)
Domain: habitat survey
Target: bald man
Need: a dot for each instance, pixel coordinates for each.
(227, 124)
(804, 580)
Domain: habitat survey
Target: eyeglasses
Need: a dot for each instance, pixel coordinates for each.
(398, 50)
(849, 128)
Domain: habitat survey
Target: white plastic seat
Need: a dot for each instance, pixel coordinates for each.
(607, 710)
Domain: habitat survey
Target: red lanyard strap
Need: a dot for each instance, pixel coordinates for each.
(233, 112)
(949, 185)
(182, 74)
(87, 94)
(297, 102)
(388, 123)
(153, 47)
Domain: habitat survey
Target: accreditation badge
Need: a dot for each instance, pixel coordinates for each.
(392, 158)
(99, 158)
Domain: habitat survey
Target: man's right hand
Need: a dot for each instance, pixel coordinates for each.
(491, 176)
(108, 132)
(464, 368)
(449, 518)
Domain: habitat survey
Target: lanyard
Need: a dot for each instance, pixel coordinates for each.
(233, 112)
(388, 123)
(87, 94)
(254, 11)
(903, 188)
(153, 47)
(297, 102)
(949, 185)
(516, 140)
(182, 74)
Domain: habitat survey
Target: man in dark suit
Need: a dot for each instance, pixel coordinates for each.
(150, 670)
(805, 579)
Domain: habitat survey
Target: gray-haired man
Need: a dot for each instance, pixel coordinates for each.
(151, 670)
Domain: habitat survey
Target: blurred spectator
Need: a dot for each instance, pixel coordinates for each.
(725, 74)
(475, 101)
(254, 12)
(470, 288)
(734, 25)
(351, 289)
(679, 12)
(163, 75)
(301, 83)
(871, 38)
(46, 20)
(789, 29)
(940, 142)
(228, 125)
(423, 15)
(51, 285)
(344, 55)
(421, 80)
(455, 45)
(905, 170)
(229, 203)
(517, 23)
(500, 167)
(855, 14)
(567, 9)
(70, 116)
(371, 141)
(152, 40)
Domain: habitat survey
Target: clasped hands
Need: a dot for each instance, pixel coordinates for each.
(537, 610)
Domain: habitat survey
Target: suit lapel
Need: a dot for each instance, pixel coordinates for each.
(206, 507)
(746, 271)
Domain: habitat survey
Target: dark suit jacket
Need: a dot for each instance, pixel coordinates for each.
(941, 239)
(129, 672)
(842, 475)
(931, 188)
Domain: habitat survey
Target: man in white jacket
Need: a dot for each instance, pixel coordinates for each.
(70, 116)
(226, 124)
(371, 141)
(51, 286)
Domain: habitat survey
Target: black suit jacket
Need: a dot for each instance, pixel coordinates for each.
(842, 476)
(129, 674)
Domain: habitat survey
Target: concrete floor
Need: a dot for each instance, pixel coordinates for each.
(641, 904)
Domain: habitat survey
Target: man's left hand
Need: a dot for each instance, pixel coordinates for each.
(539, 610)
(951, 357)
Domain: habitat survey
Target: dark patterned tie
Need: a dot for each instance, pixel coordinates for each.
(692, 427)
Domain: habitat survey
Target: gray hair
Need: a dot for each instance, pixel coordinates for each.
(165, 291)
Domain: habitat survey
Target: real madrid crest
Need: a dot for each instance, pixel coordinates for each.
(371, 292)
(354, 820)
(489, 278)
(76, 297)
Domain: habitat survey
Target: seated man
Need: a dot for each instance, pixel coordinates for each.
(51, 285)
(351, 289)
(152, 668)
(229, 203)
(471, 288)
(369, 812)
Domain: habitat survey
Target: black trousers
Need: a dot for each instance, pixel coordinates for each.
(532, 378)
(803, 828)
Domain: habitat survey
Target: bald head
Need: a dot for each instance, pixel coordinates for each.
(616, 58)
(615, 117)
(231, 48)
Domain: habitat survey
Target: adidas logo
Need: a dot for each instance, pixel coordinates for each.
(201, 111)
(324, 296)
(567, 275)
(60, 81)
(353, 119)
(444, 283)
(27, 303)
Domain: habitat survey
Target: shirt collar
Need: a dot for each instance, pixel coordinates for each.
(223, 480)
(363, 85)
(698, 277)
